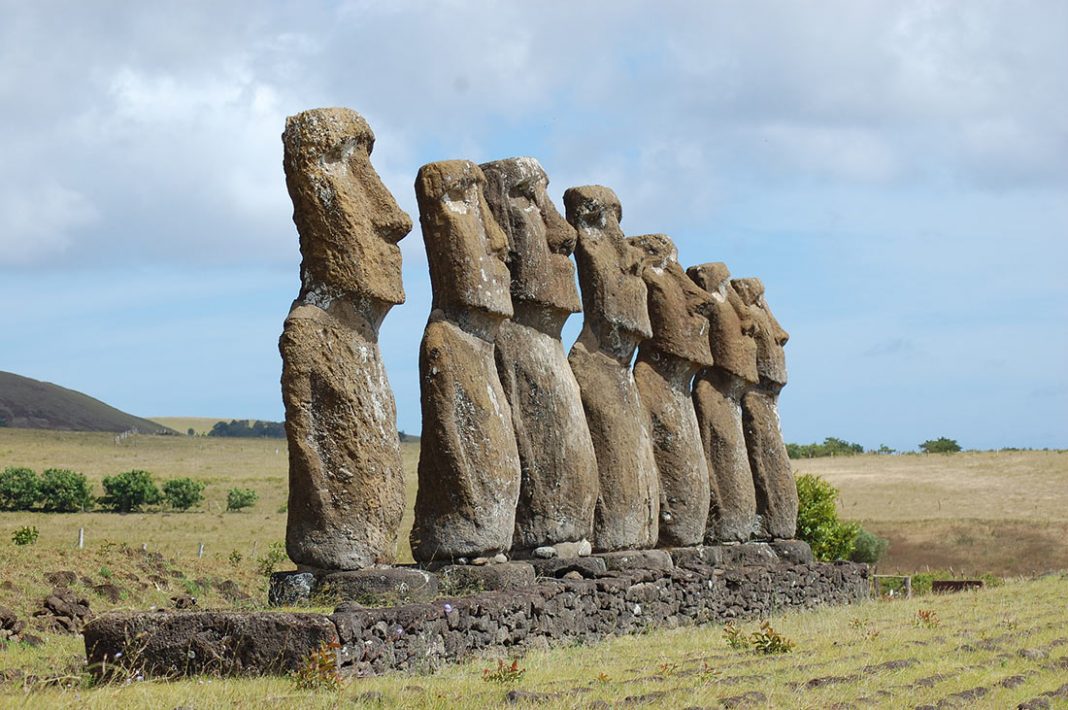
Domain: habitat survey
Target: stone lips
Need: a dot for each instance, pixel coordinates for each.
(469, 468)
(559, 484)
(346, 480)
(731, 327)
(666, 365)
(616, 320)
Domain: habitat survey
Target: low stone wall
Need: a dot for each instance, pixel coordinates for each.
(425, 636)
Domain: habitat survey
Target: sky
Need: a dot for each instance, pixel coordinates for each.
(895, 172)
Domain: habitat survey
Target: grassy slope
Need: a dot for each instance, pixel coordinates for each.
(839, 657)
(25, 402)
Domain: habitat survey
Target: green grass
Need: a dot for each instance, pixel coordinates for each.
(874, 654)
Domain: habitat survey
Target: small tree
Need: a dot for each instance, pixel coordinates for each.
(183, 493)
(869, 547)
(239, 498)
(941, 445)
(64, 491)
(129, 491)
(20, 489)
(817, 520)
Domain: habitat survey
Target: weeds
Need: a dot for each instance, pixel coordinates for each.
(708, 674)
(275, 554)
(26, 535)
(768, 641)
(505, 673)
(666, 670)
(928, 618)
(735, 637)
(320, 671)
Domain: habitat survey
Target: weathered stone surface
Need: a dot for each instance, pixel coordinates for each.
(616, 321)
(773, 477)
(468, 464)
(385, 585)
(717, 399)
(506, 575)
(588, 567)
(636, 559)
(290, 588)
(558, 487)
(665, 367)
(748, 553)
(346, 482)
(794, 552)
(205, 642)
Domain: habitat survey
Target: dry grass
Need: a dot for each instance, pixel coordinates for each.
(998, 647)
(1004, 513)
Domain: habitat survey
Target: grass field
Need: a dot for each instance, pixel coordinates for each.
(1003, 513)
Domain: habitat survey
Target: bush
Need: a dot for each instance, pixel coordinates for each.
(20, 489)
(239, 498)
(817, 520)
(869, 547)
(941, 445)
(64, 491)
(183, 493)
(129, 491)
(25, 535)
(830, 447)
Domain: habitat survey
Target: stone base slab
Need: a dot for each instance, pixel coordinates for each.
(371, 586)
(425, 636)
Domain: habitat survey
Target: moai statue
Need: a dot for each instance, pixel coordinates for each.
(717, 399)
(616, 321)
(468, 462)
(776, 492)
(346, 482)
(558, 489)
(664, 371)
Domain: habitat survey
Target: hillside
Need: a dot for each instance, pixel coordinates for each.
(31, 404)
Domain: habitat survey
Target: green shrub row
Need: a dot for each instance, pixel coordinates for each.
(64, 491)
(831, 538)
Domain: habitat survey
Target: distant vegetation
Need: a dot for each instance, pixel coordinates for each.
(63, 491)
(249, 429)
(830, 447)
(941, 445)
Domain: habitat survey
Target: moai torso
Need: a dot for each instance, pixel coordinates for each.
(558, 489)
(664, 371)
(468, 462)
(346, 482)
(776, 491)
(616, 321)
(717, 398)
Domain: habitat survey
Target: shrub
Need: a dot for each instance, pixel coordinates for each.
(319, 671)
(869, 547)
(239, 498)
(768, 641)
(505, 673)
(830, 447)
(818, 523)
(64, 491)
(275, 554)
(941, 445)
(129, 491)
(183, 493)
(20, 489)
(25, 535)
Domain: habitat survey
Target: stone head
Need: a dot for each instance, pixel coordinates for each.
(539, 239)
(609, 269)
(770, 336)
(349, 223)
(465, 248)
(731, 327)
(678, 309)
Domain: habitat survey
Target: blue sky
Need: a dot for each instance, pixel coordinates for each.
(895, 172)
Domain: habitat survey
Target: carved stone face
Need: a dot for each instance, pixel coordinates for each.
(677, 307)
(770, 336)
(613, 292)
(464, 246)
(731, 327)
(539, 239)
(348, 221)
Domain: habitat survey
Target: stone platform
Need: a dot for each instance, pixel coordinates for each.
(550, 610)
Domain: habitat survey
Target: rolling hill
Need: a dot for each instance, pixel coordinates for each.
(31, 404)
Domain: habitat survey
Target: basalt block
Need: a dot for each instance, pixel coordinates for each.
(636, 559)
(616, 321)
(346, 481)
(469, 469)
(493, 577)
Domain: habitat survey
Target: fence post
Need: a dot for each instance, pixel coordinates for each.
(81, 538)
(200, 551)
